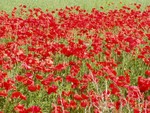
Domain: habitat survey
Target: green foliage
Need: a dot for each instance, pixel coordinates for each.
(8, 5)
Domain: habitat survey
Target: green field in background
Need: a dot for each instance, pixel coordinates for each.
(8, 5)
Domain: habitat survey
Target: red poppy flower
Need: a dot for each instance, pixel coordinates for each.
(33, 88)
(20, 108)
(84, 103)
(143, 84)
(39, 77)
(18, 94)
(34, 109)
(77, 97)
(3, 93)
(52, 89)
(147, 72)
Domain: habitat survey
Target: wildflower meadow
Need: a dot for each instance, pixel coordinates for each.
(75, 60)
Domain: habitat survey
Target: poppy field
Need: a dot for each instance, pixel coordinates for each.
(70, 60)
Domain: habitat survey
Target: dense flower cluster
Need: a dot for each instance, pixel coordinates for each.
(70, 60)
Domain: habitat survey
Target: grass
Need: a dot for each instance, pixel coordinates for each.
(8, 5)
